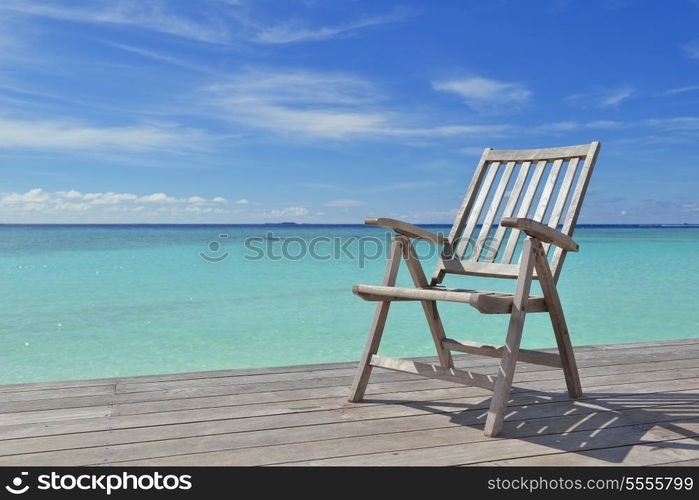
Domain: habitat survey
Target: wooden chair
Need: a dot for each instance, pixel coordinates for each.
(510, 183)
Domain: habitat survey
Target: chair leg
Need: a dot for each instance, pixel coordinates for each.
(570, 367)
(435, 323)
(508, 361)
(429, 307)
(361, 378)
(558, 321)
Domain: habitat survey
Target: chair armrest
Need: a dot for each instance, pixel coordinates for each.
(541, 232)
(407, 229)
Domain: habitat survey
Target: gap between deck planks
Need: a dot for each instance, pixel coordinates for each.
(231, 415)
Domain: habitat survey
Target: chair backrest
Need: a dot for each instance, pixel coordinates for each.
(547, 185)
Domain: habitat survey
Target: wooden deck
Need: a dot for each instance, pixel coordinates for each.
(641, 407)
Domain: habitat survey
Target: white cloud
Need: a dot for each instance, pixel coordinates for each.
(615, 98)
(401, 186)
(150, 54)
(570, 126)
(373, 188)
(108, 198)
(566, 126)
(680, 90)
(484, 94)
(152, 16)
(69, 194)
(692, 49)
(289, 211)
(222, 24)
(320, 105)
(31, 196)
(48, 206)
(219, 199)
(296, 87)
(157, 198)
(447, 131)
(307, 103)
(242, 201)
(604, 124)
(604, 98)
(290, 33)
(70, 135)
(683, 123)
(344, 203)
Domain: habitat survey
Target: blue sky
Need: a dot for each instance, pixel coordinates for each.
(328, 112)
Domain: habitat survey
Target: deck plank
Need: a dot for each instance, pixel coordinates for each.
(325, 386)
(464, 428)
(638, 397)
(301, 430)
(575, 442)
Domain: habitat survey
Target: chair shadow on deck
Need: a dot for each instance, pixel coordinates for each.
(601, 425)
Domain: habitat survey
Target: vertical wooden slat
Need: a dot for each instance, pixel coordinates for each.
(559, 205)
(547, 191)
(462, 214)
(476, 210)
(492, 210)
(507, 212)
(524, 210)
(575, 206)
(469, 198)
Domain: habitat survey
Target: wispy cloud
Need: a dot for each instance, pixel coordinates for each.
(604, 98)
(692, 49)
(293, 32)
(565, 126)
(483, 94)
(71, 135)
(154, 16)
(570, 126)
(320, 105)
(308, 103)
(604, 124)
(680, 90)
(224, 25)
(344, 203)
(373, 188)
(677, 123)
(401, 186)
(615, 98)
(157, 56)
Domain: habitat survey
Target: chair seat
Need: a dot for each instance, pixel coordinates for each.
(485, 302)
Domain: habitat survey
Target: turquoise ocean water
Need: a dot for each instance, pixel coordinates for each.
(103, 301)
